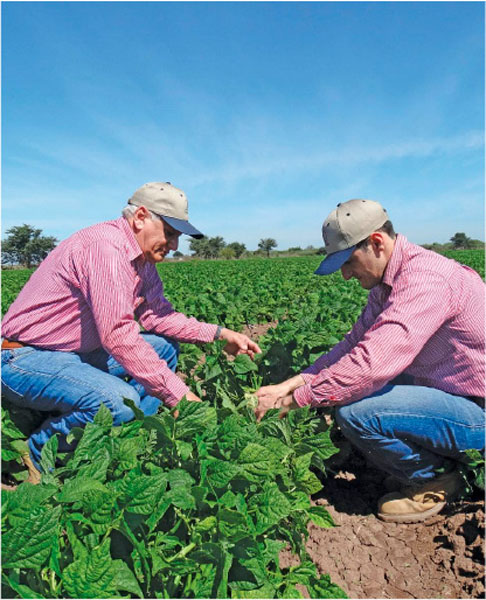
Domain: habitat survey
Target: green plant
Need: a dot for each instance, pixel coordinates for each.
(194, 507)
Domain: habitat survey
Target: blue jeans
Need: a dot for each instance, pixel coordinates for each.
(73, 386)
(412, 431)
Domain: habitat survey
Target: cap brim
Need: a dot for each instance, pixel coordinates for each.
(334, 261)
(183, 227)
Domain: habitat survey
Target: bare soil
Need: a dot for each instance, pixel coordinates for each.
(442, 557)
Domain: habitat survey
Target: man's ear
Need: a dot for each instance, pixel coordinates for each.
(377, 242)
(140, 217)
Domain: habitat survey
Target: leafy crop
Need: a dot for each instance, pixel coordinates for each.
(194, 507)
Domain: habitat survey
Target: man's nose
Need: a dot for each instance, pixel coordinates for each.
(174, 244)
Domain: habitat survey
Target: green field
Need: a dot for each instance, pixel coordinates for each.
(199, 506)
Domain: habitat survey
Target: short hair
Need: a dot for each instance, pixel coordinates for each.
(130, 209)
(387, 228)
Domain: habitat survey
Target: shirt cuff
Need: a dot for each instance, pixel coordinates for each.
(303, 395)
(308, 377)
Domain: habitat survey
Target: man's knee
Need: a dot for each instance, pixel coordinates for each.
(115, 402)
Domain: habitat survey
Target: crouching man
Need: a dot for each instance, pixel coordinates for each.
(408, 381)
(73, 339)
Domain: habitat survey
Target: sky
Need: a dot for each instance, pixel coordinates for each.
(267, 114)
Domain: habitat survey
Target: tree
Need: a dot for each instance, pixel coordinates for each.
(177, 254)
(237, 248)
(267, 244)
(207, 247)
(460, 241)
(227, 253)
(26, 246)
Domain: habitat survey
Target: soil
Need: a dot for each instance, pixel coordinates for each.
(442, 557)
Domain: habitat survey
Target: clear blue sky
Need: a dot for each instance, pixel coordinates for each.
(267, 114)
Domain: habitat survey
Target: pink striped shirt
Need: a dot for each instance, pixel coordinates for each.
(87, 294)
(425, 319)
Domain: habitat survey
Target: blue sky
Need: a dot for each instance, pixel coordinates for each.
(267, 114)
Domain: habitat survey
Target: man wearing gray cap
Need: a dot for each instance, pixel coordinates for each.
(73, 339)
(407, 382)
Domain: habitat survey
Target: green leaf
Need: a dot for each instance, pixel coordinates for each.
(265, 591)
(194, 417)
(141, 493)
(243, 364)
(220, 472)
(93, 437)
(75, 489)
(28, 544)
(271, 506)
(324, 588)
(125, 579)
(257, 461)
(48, 454)
(92, 576)
(138, 414)
(104, 417)
(320, 516)
(25, 498)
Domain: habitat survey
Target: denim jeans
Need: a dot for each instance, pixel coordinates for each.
(72, 386)
(413, 431)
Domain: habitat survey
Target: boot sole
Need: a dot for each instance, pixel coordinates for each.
(412, 517)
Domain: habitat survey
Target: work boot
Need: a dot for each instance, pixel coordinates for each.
(34, 475)
(417, 503)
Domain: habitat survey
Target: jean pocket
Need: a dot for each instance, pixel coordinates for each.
(12, 355)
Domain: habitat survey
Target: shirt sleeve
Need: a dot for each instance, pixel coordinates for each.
(364, 322)
(156, 314)
(417, 306)
(108, 283)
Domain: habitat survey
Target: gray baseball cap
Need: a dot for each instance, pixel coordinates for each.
(349, 223)
(168, 202)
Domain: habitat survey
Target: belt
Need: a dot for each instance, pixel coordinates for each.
(10, 345)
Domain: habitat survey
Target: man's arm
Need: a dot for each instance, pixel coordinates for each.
(417, 306)
(157, 314)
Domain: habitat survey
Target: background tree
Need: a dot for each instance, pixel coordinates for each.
(26, 246)
(460, 241)
(227, 253)
(207, 247)
(237, 248)
(177, 254)
(267, 244)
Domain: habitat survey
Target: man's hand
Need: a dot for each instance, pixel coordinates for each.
(272, 396)
(238, 343)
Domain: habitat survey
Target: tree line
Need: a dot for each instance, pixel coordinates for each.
(216, 247)
(25, 245)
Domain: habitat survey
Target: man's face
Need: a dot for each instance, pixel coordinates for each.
(365, 265)
(157, 238)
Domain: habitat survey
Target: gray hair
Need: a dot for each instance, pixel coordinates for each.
(130, 209)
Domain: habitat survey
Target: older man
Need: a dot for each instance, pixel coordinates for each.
(73, 339)
(408, 381)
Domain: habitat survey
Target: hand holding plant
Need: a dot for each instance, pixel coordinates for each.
(238, 343)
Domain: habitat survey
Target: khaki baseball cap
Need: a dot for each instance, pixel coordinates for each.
(349, 223)
(168, 202)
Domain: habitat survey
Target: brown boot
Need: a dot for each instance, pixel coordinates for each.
(34, 475)
(415, 504)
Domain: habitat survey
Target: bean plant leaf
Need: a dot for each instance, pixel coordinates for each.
(28, 544)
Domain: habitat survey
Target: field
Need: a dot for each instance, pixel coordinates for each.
(212, 504)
